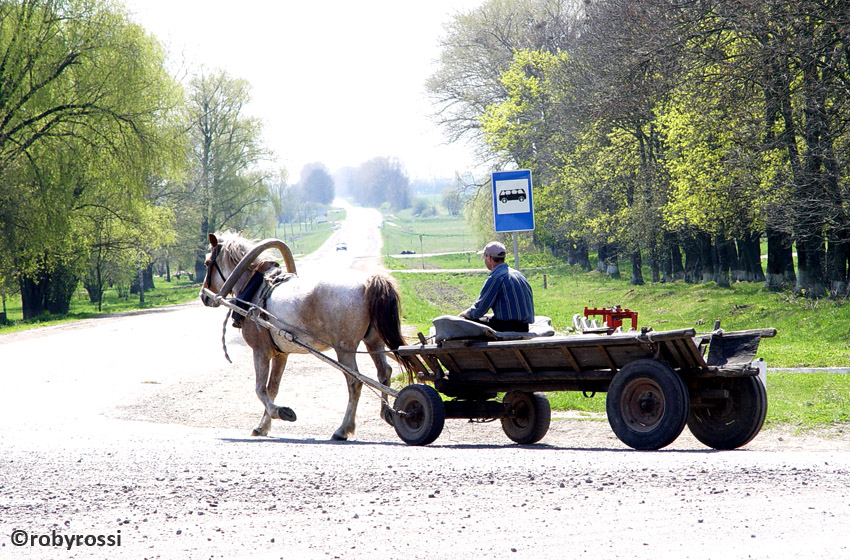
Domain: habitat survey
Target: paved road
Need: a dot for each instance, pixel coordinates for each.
(136, 428)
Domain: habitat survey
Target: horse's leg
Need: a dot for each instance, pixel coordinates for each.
(261, 369)
(267, 361)
(374, 344)
(346, 429)
(278, 363)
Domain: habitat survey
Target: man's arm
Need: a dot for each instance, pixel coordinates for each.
(485, 300)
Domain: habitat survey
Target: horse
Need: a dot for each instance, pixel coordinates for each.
(337, 313)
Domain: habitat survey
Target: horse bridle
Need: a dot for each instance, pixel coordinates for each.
(214, 263)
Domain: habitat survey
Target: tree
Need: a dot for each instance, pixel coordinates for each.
(227, 185)
(479, 46)
(788, 59)
(318, 185)
(84, 106)
(381, 180)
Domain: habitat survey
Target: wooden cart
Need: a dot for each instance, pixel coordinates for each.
(656, 382)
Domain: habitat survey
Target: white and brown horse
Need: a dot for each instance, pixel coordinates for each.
(336, 313)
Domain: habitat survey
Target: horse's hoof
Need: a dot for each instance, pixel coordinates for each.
(337, 437)
(388, 415)
(286, 413)
(256, 432)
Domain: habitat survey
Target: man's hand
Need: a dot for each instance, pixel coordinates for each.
(463, 315)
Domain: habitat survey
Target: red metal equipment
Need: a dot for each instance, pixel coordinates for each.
(613, 316)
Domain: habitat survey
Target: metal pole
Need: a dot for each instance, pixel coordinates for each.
(422, 251)
(516, 252)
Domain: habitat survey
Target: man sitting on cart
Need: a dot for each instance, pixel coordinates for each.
(506, 291)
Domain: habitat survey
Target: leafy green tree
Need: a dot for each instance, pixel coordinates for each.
(479, 46)
(227, 185)
(84, 106)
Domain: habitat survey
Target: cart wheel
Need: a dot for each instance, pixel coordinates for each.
(647, 405)
(732, 422)
(419, 414)
(528, 416)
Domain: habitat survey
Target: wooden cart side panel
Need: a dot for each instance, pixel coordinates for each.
(558, 355)
(542, 360)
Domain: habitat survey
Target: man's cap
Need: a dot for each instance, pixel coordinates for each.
(494, 249)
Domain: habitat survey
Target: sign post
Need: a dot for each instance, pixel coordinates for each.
(513, 204)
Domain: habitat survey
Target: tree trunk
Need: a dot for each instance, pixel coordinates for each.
(707, 256)
(655, 264)
(724, 264)
(749, 252)
(637, 274)
(774, 278)
(678, 267)
(33, 292)
(601, 257)
(61, 285)
(692, 267)
(612, 261)
(577, 254)
(838, 254)
(810, 266)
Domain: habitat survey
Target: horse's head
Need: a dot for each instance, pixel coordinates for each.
(232, 254)
(218, 269)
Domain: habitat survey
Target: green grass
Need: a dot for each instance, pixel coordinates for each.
(307, 241)
(439, 234)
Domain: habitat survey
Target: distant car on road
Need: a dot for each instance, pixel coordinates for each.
(341, 247)
(408, 252)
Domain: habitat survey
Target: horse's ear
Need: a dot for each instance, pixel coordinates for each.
(213, 240)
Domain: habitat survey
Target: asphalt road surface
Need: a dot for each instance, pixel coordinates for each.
(128, 437)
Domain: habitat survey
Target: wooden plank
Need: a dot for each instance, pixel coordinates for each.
(607, 357)
(450, 362)
(522, 359)
(677, 359)
(570, 358)
(687, 357)
(435, 365)
(691, 348)
(490, 363)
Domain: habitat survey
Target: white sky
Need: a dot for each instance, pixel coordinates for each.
(338, 82)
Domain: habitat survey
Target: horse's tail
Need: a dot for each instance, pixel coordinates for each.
(385, 316)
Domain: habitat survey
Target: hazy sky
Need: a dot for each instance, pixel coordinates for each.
(338, 82)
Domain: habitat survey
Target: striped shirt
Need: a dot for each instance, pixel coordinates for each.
(508, 293)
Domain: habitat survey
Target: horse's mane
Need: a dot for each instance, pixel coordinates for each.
(235, 246)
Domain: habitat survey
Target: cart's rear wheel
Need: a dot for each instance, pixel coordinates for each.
(419, 414)
(647, 405)
(732, 422)
(528, 416)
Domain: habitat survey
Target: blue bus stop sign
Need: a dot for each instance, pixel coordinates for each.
(513, 207)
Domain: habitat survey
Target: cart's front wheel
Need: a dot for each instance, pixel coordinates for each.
(419, 414)
(647, 405)
(528, 416)
(731, 422)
